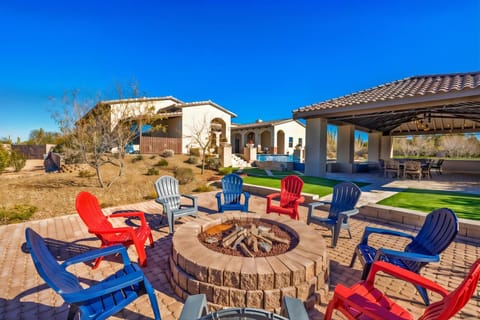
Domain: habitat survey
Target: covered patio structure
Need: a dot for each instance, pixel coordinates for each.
(429, 104)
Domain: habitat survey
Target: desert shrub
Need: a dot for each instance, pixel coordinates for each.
(168, 153)
(17, 160)
(85, 173)
(225, 170)
(152, 172)
(195, 152)
(138, 157)
(212, 163)
(161, 163)
(184, 175)
(18, 213)
(4, 158)
(152, 157)
(192, 160)
(203, 188)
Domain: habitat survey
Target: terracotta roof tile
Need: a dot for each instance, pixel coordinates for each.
(409, 87)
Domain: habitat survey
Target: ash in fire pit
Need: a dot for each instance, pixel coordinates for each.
(249, 239)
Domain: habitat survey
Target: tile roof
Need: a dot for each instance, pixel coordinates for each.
(416, 86)
(261, 123)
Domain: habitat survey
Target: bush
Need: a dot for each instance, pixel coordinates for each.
(168, 153)
(18, 213)
(161, 163)
(137, 158)
(212, 163)
(17, 161)
(184, 175)
(4, 158)
(153, 157)
(195, 152)
(192, 160)
(225, 170)
(85, 173)
(152, 172)
(203, 188)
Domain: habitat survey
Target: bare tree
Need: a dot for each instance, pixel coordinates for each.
(98, 136)
(201, 136)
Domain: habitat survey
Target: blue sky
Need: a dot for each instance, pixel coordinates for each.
(259, 59)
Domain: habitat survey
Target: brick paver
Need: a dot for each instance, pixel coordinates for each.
(23, 295)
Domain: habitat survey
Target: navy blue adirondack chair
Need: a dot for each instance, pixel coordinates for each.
(170, 198)
(100, 300)
(344, 199)
(438, 231)
(232, 185)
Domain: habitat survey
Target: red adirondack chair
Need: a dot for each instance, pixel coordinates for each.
(363, 300)
(290, 197)
(91, 213)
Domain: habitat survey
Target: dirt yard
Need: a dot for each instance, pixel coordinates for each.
(54, 193)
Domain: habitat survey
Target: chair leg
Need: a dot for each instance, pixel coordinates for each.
(354, 257)
(171, 221)
(153, 298)
(72, 312)
(366, 270)
(423, 294)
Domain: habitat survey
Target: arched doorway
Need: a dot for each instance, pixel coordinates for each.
(280, 142)
(266, 141)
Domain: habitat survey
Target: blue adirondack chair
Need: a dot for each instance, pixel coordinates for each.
(100, 300)
(438, 231)
(344, 199)
(232, 185)
(170, 198)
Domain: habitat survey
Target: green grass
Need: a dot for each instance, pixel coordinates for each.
(465, 205)
(313, 185)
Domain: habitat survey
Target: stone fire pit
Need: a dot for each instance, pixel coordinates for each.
(256, 282)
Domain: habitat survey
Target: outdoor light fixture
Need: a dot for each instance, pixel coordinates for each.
(424, 122)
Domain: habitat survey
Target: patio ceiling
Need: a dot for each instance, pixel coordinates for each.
(447, 103)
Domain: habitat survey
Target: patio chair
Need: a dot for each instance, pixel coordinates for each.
(232, 186)
(290, 197)
(100, 300)
(171, 200)
(426, 169)
(392, 166)
(437, 166)
(438, 231)
(412, 168)
(341, 207)
(364, 301)
(97, 223)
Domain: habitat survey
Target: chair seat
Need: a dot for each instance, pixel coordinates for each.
(323, 220)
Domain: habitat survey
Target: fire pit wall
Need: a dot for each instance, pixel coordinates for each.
(259, 282)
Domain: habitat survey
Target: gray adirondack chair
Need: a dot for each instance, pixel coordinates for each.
(344, 199)
(171, 200)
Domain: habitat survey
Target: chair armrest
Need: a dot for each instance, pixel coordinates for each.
(405, 255)
(93, 254)
(246, 194)
(114, 230)
(349, 213)
(105, 287)
(193, 198)
(273, 195)
(313, 205)
(218, 195)
(138, 214)
(294, 309)
(405, 275)
(352, 299)
(300, 200)
(370, 230)
(195, 307)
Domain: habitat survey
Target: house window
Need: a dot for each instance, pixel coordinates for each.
(290, 142)
(300, 142)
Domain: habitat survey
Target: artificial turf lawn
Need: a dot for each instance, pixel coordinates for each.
(465, 205)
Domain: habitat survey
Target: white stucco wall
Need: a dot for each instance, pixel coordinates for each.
(291, 129)
(193, 117)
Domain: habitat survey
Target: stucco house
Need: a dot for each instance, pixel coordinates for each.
(181, 120)
(273, 137)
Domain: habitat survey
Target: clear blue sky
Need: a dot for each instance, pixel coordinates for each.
(259, 59)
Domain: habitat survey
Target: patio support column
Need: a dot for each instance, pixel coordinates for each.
(374, 140)
(345, 148)
(316, 147)
(386, 150)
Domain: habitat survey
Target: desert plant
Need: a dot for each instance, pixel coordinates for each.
(161, 163)
(192, 160)
(184, 175)
(17, 160)
(168, 153)
(195, 152)
(152, 157)
(4, 158)
(225, 170)
(152, 172)
(85, 174)
(16, 214)
(203, 188)
(212, 163)
(138, 157)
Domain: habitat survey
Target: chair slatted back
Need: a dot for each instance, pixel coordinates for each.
(232, 186)
(290, 191)
(345, 197)
(91, 213)
(167, 189)
(457, 299)
(60, 280)
(438, 231)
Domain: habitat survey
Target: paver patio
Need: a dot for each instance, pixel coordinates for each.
(23, 295)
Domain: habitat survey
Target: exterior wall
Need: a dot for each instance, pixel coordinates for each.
(193, 117)
(374, 140)
(291, 129)
(32, 151)
(316, 147)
